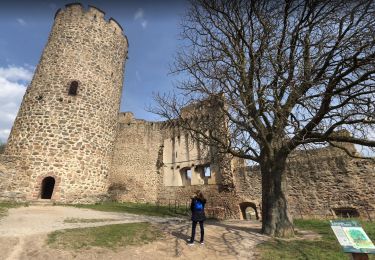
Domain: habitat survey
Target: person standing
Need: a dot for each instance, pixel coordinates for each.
(198, 202)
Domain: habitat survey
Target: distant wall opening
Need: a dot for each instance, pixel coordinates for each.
(249, 211)
(73, 88)
(204, 172)
(186, 176)
(346, 212)
(48, 184)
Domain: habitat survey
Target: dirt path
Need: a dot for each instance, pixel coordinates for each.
(23, 233)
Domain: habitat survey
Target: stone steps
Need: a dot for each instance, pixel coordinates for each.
(42, 202)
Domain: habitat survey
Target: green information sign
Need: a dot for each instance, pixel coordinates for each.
(352, 237)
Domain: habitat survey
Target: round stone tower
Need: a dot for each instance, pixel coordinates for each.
(64, 132)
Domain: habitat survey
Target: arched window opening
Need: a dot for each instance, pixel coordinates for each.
(346, 212)
(48, 184)
(73, 88)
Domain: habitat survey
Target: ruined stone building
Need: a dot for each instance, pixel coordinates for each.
(71, 144)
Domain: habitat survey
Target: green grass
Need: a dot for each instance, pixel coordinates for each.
(4, 206)
(325, 248)
(136, 208)
(109, 236)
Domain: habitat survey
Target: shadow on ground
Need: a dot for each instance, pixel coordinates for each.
(229, 239)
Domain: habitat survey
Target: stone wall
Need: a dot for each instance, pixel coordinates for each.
(319, 182)
(247, 183)
(11, 172)
(221, 203)
(327, 180)
(135, 173)
(149, 161)
(69, 134)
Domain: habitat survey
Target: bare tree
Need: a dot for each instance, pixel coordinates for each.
(291, 73)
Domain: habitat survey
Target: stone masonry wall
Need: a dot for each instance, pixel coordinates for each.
(70, 137)
(10, 169)
(135, 174)
(328, 180)
(319, 181)
(221, 203)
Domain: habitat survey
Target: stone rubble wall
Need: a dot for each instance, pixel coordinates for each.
(319, 181)
(9, 170)
(221, 203)
(320, 184)
(135, 174)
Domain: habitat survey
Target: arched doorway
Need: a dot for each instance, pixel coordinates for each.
(48, 184)
(249, 210)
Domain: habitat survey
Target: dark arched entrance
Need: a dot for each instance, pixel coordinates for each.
(346, 212)
(48, 184)
(244, 206)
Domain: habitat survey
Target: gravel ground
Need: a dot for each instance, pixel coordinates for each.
(24, 231)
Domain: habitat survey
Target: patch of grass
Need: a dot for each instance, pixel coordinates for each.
(109, 236)
(325, 248)
(87, 220)
(4, 206)
(136, 208)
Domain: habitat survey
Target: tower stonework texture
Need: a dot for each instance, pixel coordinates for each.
(65, 130)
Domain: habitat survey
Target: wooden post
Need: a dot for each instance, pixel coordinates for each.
(368, 214)
(359, 256)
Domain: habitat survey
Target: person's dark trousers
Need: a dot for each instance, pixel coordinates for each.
(194, 226)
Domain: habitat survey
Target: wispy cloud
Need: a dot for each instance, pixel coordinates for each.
(13, 82)
(140, 17)
(144, 24)
(139, 14)
(21, 21)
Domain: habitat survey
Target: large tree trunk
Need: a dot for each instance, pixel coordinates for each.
(276, 221)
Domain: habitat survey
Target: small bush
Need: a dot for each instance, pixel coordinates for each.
(2, 148)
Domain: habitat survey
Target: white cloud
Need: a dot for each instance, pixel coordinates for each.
(4, 133)
(140, 17)
(16, 73)
(13, 83)
(21, 21)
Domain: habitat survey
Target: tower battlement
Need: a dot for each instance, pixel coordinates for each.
(93, 14)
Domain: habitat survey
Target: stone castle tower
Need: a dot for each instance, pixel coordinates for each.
(64, 132)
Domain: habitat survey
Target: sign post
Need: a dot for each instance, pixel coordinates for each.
(353, 239)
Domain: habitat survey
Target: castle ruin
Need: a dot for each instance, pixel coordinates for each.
(70, 143)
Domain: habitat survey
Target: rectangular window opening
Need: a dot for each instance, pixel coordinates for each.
(186, 176)
(207, 171)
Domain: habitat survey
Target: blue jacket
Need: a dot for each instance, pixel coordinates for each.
(197, 215)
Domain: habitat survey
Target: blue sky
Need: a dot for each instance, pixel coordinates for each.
(152, 28)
